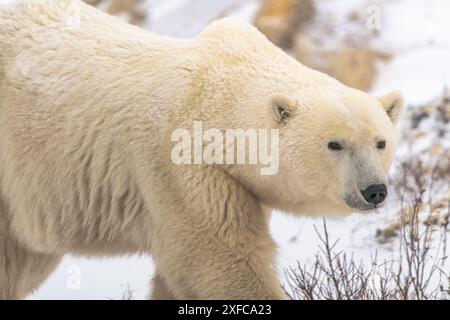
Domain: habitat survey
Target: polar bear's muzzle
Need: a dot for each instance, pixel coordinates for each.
(366, 189)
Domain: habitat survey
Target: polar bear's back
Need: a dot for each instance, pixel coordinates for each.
(48, 25)
(46, 44)
(29, 20)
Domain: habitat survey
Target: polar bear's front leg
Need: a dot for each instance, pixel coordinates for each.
(215, 270)
(160, 291)
(201, 259)
(210, 238)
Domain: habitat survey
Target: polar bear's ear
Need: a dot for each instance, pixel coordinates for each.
(393, 103)
(283, 109)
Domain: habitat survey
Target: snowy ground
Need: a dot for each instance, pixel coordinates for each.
(416, 31)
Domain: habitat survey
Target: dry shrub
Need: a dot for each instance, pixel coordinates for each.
(131, 10)
(281, 20)
(354, 66)
(425, 170)
(417, 273)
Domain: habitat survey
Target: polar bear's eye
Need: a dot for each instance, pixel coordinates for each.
(381, 144)
(335, 146)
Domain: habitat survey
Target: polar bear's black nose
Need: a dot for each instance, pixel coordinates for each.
(375, 193)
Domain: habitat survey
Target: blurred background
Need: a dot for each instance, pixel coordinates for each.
(375, 46)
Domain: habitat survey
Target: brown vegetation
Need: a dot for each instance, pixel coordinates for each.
(281, 20)
(130, 8)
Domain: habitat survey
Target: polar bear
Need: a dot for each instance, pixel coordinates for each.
(88, 107)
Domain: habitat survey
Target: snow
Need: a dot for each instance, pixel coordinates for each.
(413, 24)
(183, 19)
(421, 74)
(415, 31)
(98, 279)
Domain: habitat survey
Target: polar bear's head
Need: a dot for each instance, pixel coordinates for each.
(336, 144)
(336, 148)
